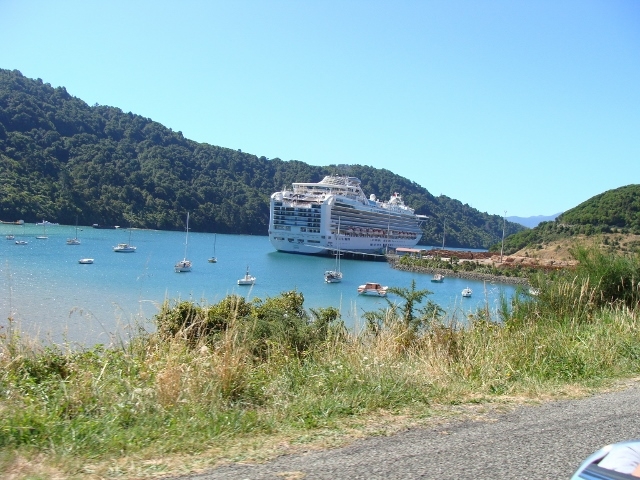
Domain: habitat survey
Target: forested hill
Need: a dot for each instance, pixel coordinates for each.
(616, 210)
(61, 158)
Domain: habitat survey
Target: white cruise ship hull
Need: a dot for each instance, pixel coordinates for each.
(317, 218)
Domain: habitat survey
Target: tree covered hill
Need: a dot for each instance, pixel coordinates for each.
(61, 158)
(616, 210)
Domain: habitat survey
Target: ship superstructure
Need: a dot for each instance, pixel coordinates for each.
(316, 218)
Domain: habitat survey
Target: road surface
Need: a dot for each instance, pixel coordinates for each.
(546, 441)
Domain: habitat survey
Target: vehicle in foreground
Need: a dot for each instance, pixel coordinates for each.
(617, 461)
(372, 288)
(317, 218)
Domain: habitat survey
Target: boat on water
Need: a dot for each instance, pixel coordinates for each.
(467, 292)
(247, 279)
(74, 240)
(125, 247)
(15, 222)
(106, 227)
(85, 261)
(372, 288)
(214, 259)
(335, 275)
(184, 265)
(44, 224)
(10, 237)
(21, 242)
(437, 278)
(305, 219)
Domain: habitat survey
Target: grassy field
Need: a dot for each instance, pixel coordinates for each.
(249, 380)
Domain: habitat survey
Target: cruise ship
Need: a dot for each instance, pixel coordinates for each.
(335, 214)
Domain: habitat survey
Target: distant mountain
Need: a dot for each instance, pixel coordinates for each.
(61, 159)
(531, 222)
(616, 210)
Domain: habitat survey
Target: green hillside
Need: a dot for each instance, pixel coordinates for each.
(61, 158)
(616, 210)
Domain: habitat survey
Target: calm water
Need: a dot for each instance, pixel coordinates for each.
(49, 294)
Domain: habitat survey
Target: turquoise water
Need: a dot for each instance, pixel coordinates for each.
(49, 294)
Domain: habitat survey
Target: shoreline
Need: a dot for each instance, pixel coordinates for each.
(393, 263)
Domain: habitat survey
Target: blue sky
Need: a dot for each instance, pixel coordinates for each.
(525, 107)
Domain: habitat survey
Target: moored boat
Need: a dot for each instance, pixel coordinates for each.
(85, 261)
(438, 278)
(467, 292)
(247, 279)
(372, 288)
(125, 247)
(74, 240)
(184, 265)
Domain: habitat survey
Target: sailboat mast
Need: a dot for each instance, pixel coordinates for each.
(186, 239)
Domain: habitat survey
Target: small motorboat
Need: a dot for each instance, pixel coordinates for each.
(21, 242)
(10, 237)
(85, 261)
(437, 278)
(467, 292)
(247, 279)
(371, 288)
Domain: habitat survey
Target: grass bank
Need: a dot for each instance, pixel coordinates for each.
(240, 378)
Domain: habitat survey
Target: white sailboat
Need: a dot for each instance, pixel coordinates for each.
(75, 240)
(214, 259)
(44, 231)
(184, 265)
(335, 276)
(247, 279)
(125, 247)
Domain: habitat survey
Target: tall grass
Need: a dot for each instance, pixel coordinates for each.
(214, 375)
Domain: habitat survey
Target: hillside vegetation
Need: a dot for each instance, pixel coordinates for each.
(61, 158)
(614, 216)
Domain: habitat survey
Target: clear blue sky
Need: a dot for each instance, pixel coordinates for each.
(529, 107)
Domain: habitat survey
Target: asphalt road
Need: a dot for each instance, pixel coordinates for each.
(547, 441)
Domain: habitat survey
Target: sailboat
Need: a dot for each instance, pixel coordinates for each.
(214, 259)
(125, 247)
(247, 279)
(335, 276)
(74, 241)
(184, 265)
(44, 231)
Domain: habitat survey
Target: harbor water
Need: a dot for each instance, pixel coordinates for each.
(46, 293)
